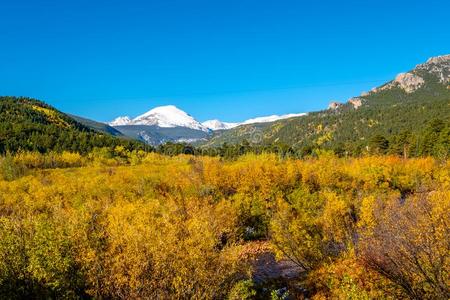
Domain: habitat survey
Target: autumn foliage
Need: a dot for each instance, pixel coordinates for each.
(138, 225)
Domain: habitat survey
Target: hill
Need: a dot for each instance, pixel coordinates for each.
(98, 126)
(31, 125)
(395, 117)
(155, 135)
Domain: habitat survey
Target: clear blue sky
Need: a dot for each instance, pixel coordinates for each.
(230, 59)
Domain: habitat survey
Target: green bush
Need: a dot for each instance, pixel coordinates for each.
(10, 170)
(242, 290)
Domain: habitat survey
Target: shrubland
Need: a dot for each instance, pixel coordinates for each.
(120, 224)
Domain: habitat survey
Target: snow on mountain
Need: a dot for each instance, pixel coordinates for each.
(168, 116)
(120, 121)
(271, 118)
(219, 125)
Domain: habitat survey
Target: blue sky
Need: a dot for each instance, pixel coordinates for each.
(231, 60)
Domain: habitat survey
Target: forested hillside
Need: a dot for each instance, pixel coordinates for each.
(98, 126)
(31, 125)
(409, 115)
(155, 135)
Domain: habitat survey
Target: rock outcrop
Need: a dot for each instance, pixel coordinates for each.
(439, 59)
(334, 105)
(356, 102)
(409, 82)
(438, 66)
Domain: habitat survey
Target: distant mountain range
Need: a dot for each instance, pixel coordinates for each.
(171, 124)
(420, 94)
(164, 117)
(170, 116)
(219, 125)
(403, 106)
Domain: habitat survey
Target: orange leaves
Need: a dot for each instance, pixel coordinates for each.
(348, 278)
(148, 226)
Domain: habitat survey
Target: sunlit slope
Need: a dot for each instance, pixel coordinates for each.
(404, 105)
(29, 124)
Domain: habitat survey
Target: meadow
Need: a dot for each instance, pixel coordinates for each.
(148, 226)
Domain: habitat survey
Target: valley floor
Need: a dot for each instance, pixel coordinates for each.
(256, 227)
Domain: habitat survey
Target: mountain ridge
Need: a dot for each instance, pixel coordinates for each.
(28, 124)
(170, 116)
(404, 105)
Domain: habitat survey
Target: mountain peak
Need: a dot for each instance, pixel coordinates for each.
(411, 81)
(439, 59)
(165, 109)
(439, 66)
(168, 116)
(120, 121)
(219, 125)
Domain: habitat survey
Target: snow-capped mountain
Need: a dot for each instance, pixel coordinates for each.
(219, 125)
(271, 118)
(120, 121)
(168, 116)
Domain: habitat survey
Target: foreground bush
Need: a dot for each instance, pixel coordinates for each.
(409, 244)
